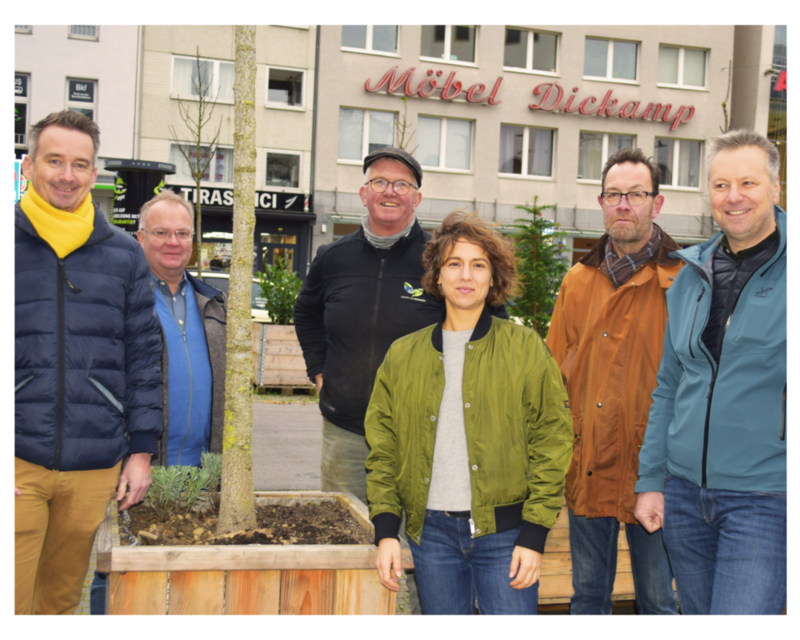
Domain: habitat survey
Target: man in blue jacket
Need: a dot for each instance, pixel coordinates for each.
(712, 470)
(88, 383)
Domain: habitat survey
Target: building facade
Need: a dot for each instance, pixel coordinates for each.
(498, 115)
(92, 69)
(285, 58)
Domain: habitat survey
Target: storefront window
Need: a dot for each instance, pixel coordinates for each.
(776, 125)
(279, 245)
(21, 97)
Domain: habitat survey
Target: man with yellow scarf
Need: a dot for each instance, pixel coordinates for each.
(87, 353)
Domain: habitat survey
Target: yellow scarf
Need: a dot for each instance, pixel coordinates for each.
(62, 230)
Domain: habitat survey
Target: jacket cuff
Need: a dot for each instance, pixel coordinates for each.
(143, 443)
(532, 536)
(649, 484)
(387, 525)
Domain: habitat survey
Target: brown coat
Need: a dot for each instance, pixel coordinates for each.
(608, 344)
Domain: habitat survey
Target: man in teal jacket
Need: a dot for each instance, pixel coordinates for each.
(712, 470)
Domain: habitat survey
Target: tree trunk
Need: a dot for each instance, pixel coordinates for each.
(237, 508)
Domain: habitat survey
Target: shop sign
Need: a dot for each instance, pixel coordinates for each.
(553, 100)
(448, 88)
(19, 181)
(81, 91)
(264, 200)
(20, 86)
(780, 83)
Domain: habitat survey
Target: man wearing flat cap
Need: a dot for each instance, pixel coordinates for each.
(362, 293)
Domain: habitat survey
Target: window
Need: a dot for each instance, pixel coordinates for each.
(283, 169)
(21, 98)
(220, 169)
(530, 50)
(681, 67)
(22, 28)
(610, 59)
(285, 87)
(444, 143)
(82, 97)
(214, 77)
(361, 132)
(679, 161)
(526, 151)
(454, 43)
(83, 31)
(377, 38)
(595, 149)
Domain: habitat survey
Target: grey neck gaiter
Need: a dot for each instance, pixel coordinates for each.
(383, 242)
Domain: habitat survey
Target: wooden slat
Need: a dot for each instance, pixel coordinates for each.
(274, 378)
(281, 332)
(137, 593)
(359, 592)
(274, 361)
(244, 557)
(307, 592)
(252, 592)
(196, 592)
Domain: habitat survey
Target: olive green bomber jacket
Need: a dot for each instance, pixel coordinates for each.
(518, 423)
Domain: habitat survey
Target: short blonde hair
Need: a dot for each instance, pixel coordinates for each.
(165, 196)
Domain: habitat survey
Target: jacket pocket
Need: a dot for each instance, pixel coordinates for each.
(107, 395)
(27, 381)
(783, 415)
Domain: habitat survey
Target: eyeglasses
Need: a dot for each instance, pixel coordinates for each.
(182, 235)
(634, 197)
(400, 187)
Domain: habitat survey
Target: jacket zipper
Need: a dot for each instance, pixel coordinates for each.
(62, 276)
(725, 326)
(783, 416)
(27, 381)
(375, 313)
(107, 395)
(691, 331)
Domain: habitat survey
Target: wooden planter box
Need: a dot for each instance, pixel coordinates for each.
(246, 579)
(277, 357)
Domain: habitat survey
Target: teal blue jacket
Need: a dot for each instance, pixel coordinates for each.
(727, 420)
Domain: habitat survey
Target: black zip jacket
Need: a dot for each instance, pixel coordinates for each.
(356, 301)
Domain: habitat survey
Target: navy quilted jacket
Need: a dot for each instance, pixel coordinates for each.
(87, 350)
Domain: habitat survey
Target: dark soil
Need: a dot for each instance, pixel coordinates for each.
(323, 523)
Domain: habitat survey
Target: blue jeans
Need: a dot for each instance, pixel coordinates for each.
(593, 545)
(453, 570)
(97, 594)
(728, 548)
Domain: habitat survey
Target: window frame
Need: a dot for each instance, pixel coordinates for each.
(529, 54)
(442, 168)
(78, 36)
(23, 28)
(364, 134)
(73, 105)
(676, 165)
(610, 61)
(603, 152)
(524, 175)
(281, 105)
(448, 40)
(26, 100)
(214, 82)
(179, 178)
(681, 59)
(286, 152)
(369, 42)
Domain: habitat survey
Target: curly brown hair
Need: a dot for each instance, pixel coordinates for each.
(461, 225)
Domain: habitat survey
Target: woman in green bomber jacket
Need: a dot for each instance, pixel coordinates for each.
(470, 432)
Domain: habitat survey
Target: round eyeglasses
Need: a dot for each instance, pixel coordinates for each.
(613, 198)
(400, 187)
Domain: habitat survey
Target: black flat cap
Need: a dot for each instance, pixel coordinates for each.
(395, 154)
